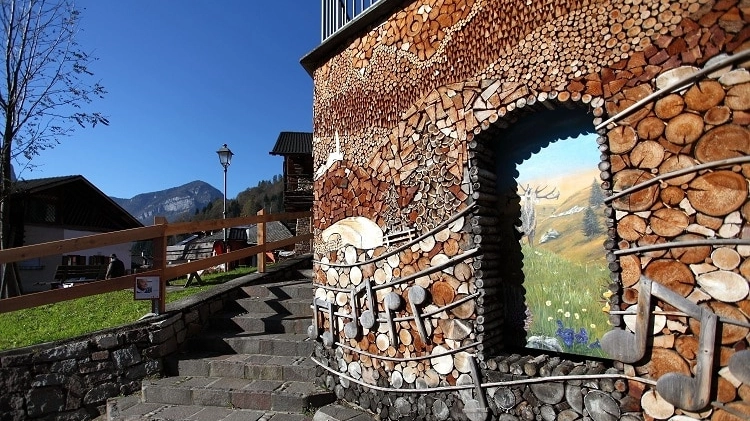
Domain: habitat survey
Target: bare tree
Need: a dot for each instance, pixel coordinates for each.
(42, 94)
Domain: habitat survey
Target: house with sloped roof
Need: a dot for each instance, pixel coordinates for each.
(61, 208)
(296, 148)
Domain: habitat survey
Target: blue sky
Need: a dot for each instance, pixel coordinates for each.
(185, 77)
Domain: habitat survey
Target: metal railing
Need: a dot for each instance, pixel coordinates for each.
(158, 233)
(335, 14)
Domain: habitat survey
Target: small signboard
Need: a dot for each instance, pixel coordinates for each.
(146, 288)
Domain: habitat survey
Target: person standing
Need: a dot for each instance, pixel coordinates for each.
(116, 267)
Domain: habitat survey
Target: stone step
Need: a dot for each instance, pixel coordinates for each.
(251, 367)
(261, 322)
(167, 412)
(294, 344)
(296, 306)
(299, 288)
(222, 392)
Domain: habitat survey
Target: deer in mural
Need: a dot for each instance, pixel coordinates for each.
(529, 199)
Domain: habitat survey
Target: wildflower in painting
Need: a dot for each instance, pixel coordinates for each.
(566, 334)
(577, 316)
(575, 341)
(550, 318)
(592, 326)
(567, 314)
(559, 310)
(582, 337)
(548, 303)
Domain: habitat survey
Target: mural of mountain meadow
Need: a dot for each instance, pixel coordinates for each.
(562, 228)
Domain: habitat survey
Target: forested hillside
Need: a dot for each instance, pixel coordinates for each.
(268, 195)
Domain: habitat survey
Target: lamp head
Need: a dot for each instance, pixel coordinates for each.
(225, 156)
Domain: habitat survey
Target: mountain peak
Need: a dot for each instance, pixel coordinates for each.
(174, 203)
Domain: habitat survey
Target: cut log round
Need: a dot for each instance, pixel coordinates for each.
(463, 362)
(647, 154)
(464, 310)
(664, 361)
(355, 275)
(684, 129)
(672, 274)
(675, 163)
(549, 393)
(441, 361)
(639, 200)
(669, 106)
(650, 128)
(397, 380)
(655, 406)
(730, 333)
(717, 115)
(442, 293)
(671, 195)
(669, 222)
(462, 272)
(725, 258)
(723, 142)
(601, 406)
(622, 139)
(630, 270)
(704, 95)
(718, 193)
(738, 97)
(725, 392)
(631, 227)
(382, 341)
(690, 255)
(409, 374)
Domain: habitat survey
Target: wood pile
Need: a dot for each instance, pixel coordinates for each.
(416, 152)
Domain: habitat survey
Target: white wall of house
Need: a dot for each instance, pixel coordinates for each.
(36, 274)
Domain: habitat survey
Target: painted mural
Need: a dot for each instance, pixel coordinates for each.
(562, 229)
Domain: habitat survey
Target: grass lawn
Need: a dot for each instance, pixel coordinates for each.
(73, 318)
(566, 300)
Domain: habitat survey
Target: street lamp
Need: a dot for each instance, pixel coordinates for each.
(225, 158)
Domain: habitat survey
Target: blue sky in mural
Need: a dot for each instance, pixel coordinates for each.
(565, 156)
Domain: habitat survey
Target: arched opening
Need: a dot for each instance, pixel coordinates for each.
(551, 216)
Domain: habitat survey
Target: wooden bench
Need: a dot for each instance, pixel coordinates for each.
(77, 274)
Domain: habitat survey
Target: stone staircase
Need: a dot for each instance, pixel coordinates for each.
(251, 363)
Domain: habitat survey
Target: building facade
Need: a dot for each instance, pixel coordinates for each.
(425, 236)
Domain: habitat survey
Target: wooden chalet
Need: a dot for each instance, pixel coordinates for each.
(426, 302)
(59, 208)
(296, 148)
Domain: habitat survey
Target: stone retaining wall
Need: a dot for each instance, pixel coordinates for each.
(72, 379)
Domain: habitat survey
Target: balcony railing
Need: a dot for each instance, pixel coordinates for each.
(337, 13)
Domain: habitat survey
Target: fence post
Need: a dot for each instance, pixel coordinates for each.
(261, 241)
(160, 263)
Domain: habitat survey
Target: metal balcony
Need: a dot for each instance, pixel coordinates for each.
(335, 14)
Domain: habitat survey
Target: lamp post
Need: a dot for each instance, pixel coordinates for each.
(225, 158)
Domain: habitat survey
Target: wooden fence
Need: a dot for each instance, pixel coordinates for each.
(158, 233)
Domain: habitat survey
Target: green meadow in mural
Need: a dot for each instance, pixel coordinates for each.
(564, 266)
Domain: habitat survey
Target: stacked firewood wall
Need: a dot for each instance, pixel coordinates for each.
(414, 160)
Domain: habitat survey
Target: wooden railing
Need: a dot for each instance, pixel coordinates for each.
(158, 233)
